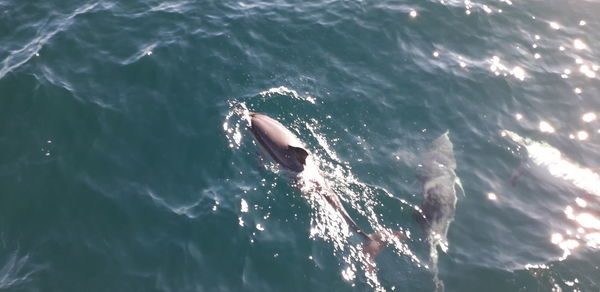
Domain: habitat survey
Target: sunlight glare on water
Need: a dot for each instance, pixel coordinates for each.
(562, 169)
(127, 163)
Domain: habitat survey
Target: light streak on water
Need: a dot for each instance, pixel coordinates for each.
(581, 179)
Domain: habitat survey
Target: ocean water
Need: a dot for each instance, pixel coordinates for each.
(126, 164)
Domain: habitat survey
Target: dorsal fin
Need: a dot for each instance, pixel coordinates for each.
(458, 183)
(300, 153)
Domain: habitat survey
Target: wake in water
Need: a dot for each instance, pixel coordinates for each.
(15, 270)
(326, 184)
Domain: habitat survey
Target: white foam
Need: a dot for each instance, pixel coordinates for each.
(282, 90)
(16, 270)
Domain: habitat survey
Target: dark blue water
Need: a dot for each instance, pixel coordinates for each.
(126, 165)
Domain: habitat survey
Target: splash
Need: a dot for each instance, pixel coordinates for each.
(235, 119)
(327, 224)
(282, 90)
(324, 172)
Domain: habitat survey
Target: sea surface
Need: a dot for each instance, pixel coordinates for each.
(126, 163)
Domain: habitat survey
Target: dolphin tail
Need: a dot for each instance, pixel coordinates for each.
(439, 284)
(433, 254)
(375, 242)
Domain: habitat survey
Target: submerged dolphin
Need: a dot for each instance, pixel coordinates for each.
(288, 151)
(438, 175)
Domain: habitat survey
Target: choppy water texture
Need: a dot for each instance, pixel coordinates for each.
(126, 165)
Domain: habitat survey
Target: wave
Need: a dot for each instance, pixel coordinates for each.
(326, 223)
(17, 270)
(20, 56)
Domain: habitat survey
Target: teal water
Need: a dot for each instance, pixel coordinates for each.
(125, 164)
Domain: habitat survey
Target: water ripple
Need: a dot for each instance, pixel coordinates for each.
(49, 29)
(16, 270)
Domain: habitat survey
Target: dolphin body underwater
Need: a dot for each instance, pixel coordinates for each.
(289, 152)
(438, 175)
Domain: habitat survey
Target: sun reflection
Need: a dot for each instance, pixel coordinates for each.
(244, 206)
(518, 72)
(593, 239)
(349, 273)
(585, 69)
(589, 117)
(581, 202)
(487, 9)
(585, 231)
(587, 220)
(556, 238)
(582, 135)
(545, 127)
(579, 44)
(496, 65)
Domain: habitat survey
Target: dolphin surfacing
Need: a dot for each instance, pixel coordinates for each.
(289, 152)
(281, 144)
(438, 175)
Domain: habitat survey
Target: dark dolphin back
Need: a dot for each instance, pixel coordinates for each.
(281, 144)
